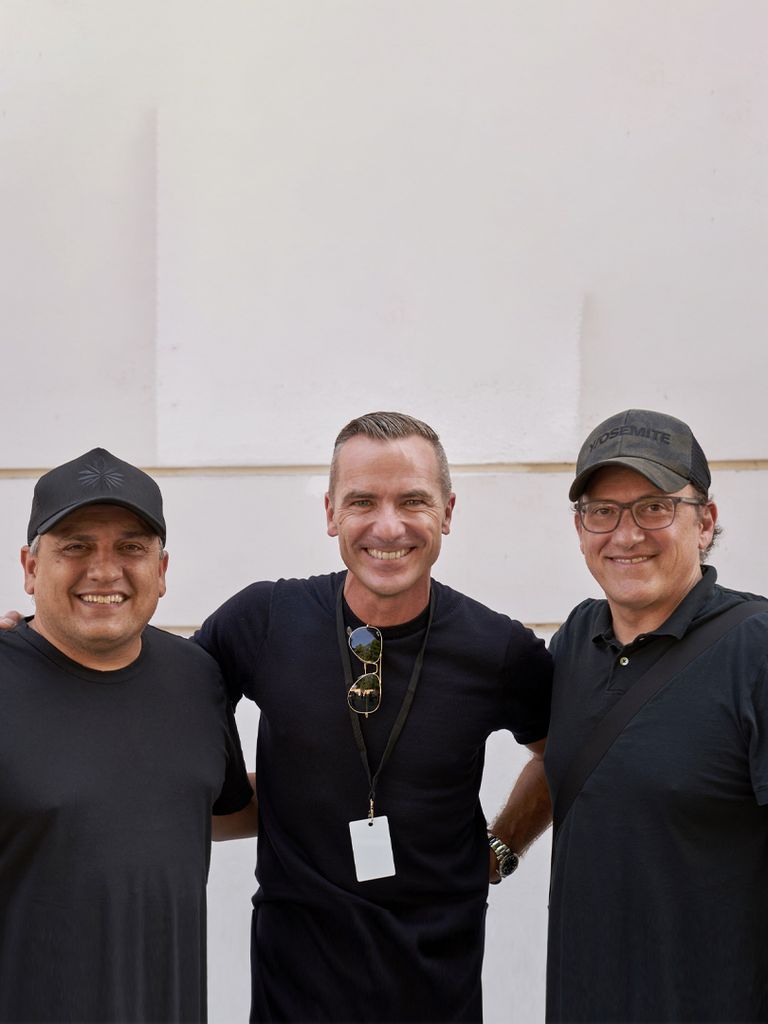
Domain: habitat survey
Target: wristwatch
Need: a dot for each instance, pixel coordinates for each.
(506, 859)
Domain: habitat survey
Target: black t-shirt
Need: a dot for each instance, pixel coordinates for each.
(659, 901)
(402, 948)
(107, 782)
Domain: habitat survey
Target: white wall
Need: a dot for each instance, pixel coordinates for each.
(227, 228)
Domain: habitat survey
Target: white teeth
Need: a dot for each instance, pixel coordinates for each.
(631, 561)
(102, 598)
(387, 555)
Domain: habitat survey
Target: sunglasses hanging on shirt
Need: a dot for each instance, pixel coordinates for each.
(364, 695)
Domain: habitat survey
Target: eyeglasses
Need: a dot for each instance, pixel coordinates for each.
(364, 695)
(655, 512)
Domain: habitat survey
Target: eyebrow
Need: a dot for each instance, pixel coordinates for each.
(354, 495)
(415, 493)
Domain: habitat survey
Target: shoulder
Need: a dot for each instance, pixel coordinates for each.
(12, 645)
(590, 610)
(258, 597)
(453, 607)
(475, 623)
(752, 628)
(180, 650)
(244, 621)
(22, 639)
(588, 618)
(726, 597)
(177, 669)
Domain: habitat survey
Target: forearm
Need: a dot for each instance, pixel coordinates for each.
(243, 824)
(528, 810)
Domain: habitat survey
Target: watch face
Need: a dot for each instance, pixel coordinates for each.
(507, 865)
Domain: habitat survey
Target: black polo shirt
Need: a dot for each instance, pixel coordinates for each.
(659, 901)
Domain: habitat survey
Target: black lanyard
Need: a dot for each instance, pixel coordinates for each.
(405, 707)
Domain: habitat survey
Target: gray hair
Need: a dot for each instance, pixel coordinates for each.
(703, 496)
(390, 426)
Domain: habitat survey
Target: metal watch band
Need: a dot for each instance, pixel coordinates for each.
(507, 859)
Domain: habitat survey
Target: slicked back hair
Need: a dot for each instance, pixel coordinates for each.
(390, 426)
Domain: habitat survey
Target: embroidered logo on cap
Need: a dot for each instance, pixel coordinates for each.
(97, 473)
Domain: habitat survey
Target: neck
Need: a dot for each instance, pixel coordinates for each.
(102, 661)
(627, 627)
(629, 623)
(381, 609)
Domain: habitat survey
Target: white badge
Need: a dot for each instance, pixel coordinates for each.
(372, 848)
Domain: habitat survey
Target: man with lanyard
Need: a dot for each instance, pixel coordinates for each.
(659, 738)
(378, 688)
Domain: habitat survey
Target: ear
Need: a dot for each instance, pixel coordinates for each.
(29, 564)
(329, 517)
(448, 513)
(162, 569)
(707, 525)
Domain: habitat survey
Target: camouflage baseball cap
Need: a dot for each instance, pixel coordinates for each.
(660, 447)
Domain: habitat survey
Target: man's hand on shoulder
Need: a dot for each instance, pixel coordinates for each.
(9, 620)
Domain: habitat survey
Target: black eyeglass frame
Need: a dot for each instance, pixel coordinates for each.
(673, 499)
(376, 663)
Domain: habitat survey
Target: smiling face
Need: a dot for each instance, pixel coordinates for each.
(645, 574)
(389, 513)
(96, 578)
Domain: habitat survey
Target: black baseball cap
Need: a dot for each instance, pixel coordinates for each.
(96, 478)
(660, 447)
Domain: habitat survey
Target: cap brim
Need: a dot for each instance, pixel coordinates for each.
(661, 477)
(154, 526)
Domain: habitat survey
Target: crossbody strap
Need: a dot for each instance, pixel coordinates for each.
(610, 727)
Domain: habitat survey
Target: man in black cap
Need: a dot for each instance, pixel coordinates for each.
(657, 755)
(104, 829)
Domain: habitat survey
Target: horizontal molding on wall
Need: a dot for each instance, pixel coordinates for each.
(537, 627)
(480, 468)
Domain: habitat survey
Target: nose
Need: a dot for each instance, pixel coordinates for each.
(389, 525)
(627, 531)
(104, 566)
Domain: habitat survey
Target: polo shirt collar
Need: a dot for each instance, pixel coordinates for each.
(679, 621)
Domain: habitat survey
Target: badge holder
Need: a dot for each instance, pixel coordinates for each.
(372, 848)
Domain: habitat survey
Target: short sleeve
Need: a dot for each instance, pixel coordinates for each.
(234, 635)
(527, 685)
(236, 791)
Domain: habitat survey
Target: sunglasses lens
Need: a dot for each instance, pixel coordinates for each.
(365, 642)
(365, 694)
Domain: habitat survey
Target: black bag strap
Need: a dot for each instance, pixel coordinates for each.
(610, 727)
